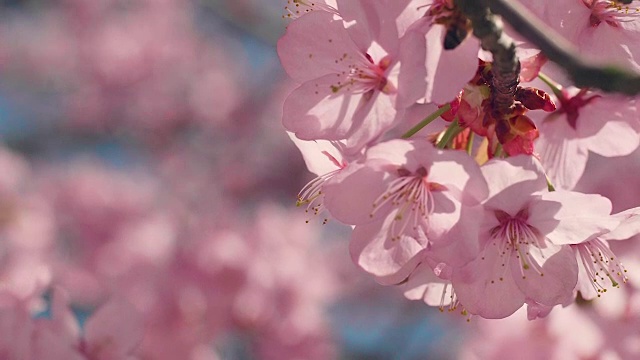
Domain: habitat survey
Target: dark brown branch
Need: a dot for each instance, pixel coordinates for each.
(560, 51)
(505, 67)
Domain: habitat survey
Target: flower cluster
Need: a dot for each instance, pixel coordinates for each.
(479, 214)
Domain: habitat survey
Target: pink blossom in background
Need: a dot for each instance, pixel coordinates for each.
(110, 74)
(152, 152)
(26, 228)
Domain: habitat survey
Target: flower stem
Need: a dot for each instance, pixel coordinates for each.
(427, 121)
(469, 146)
(452, 131)
(554, 86)
(499, 151)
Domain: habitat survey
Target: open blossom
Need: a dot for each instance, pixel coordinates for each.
(599, 265)
(403, 198)
(524, 240)
(585, 122)
(348, 75)
(325, 159)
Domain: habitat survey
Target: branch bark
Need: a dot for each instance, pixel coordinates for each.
(560, 51)
(505, 67)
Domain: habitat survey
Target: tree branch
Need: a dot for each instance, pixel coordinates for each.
(560, 51)
(505, 67)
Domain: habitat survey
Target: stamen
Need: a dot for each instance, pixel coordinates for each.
(364, 76)
(611, 12)
(514, 237)
(312, 195)
(601, 264)
(296, 8)
(450, 302)
(411, 197)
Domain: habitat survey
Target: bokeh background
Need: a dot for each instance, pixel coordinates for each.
(143, 162)
(143, 159)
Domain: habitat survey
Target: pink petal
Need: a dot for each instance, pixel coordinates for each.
(448, 71)
(374, 116)
(561, 153)
(511, 181)
(570, 218)
(629, 225)
(536, 310)
(412, 75)
(314, 45)
(556, 285)
(317, 110)
(320, 156)
(314, 111)
(458, 244)
(458, 171)
(395, 152)
(424, 285)
(390, 261)
(484, 288)
(362, 19)
(615, 138)
(350, 195)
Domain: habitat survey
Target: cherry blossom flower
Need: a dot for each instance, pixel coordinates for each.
(598, 264)
(585, 121)
(524, 237)
(349, 74)
(403, 197)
